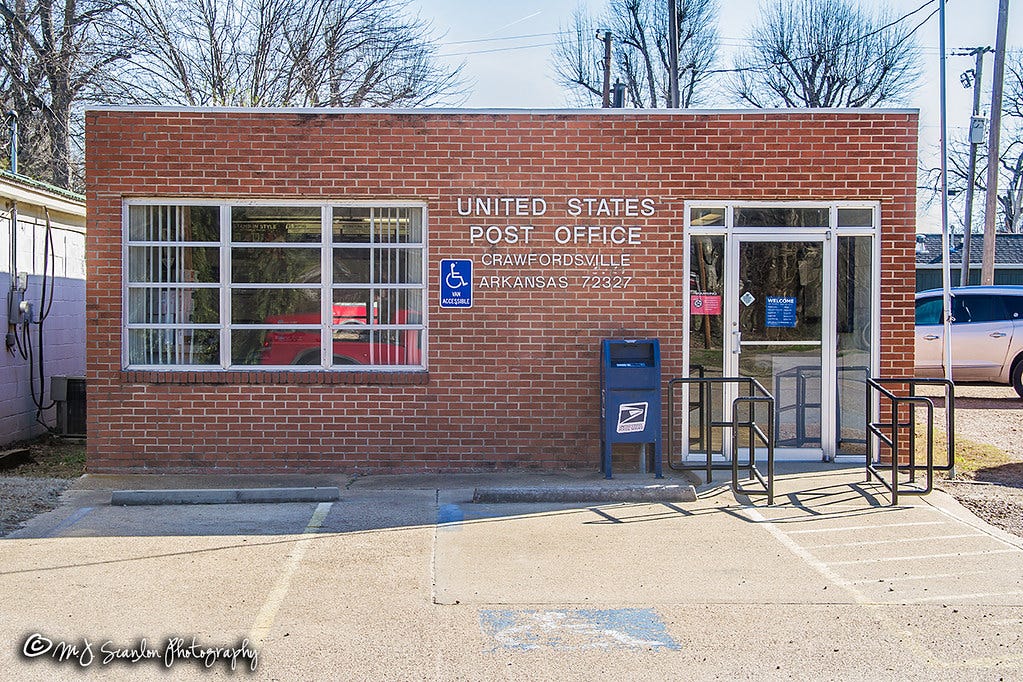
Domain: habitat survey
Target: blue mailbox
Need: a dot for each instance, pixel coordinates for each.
(630, 396)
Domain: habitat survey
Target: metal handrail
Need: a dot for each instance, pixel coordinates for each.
(887, 434)
(755, 394)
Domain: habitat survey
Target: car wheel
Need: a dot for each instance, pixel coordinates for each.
(1017, 376)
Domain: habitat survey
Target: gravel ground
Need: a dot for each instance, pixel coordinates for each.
(22, 497)
(992, 415)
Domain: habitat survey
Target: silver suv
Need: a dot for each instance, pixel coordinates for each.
(987, 334)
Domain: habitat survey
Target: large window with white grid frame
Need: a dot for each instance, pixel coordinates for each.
(261, 285)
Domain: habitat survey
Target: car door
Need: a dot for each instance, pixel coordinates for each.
(981, 334)
(929, 331)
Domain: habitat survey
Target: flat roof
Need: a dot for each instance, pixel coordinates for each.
(426, 111)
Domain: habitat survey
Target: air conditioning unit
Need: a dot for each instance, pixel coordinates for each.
(69, 394)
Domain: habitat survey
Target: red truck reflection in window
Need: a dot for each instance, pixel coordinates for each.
(353, 343)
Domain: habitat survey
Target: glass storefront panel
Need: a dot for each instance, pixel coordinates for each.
(706, 338)
(854, 302)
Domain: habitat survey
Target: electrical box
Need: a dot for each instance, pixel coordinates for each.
(69, 394)
(978, 129)
(15, 297)
(630, 396)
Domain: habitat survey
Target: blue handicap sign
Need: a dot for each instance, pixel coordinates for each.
(456, 283)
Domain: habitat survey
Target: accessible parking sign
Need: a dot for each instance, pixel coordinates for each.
(456, 283)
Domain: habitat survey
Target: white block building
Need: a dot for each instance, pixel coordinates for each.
(28, 210)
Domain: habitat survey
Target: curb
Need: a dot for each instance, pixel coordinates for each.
(637, 493)
(224, 496)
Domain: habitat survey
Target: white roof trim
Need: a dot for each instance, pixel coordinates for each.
(505, 112)
(40, 197)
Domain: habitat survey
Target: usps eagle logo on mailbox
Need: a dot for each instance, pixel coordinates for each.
(632, 417)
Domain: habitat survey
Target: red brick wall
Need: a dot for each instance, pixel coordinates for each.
(514, 380)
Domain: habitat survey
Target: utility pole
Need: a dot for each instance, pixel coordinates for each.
(978, 70)
(987, 272)
(606, 103)
(673, 54)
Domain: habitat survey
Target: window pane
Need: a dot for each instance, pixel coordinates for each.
(174, 223)
(174, 347)
(399, 306)
(974, 309)
(351, 225)
(396, 347)
(855, 217)
(397, 226)
(1014, 306)
(928, 311)
(781, 217)
(275, 265)
(275, 306)
(351, 266)
(398, 266)
(165, 305)
(173, 264)
(384, 225)
(706, 217)
(293, 224)
(351, 346)
(351, 306)
(275, 346)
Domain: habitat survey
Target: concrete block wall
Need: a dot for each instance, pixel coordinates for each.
(512, 382)
(64, 329)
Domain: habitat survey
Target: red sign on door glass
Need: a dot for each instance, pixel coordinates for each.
(705, 304)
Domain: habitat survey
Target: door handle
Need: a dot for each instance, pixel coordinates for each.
(996, 335)
(737, 335)
(931, 337)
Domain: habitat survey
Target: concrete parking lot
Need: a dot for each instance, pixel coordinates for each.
(405, 578)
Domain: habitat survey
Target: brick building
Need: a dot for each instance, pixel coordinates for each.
(316, 290)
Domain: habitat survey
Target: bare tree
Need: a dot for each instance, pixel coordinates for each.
(1010, 182)
(808, 53)
(285, 53)
(640, 51)
(54, 56)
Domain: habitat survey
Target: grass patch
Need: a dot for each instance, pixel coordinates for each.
(972, 458)
(51, 457)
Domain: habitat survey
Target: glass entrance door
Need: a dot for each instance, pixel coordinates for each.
(778, 311)
(788, 294)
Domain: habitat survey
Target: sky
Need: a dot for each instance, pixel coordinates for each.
(505, 49)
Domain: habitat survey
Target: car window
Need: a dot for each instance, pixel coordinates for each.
(968, 309)
(928, 311)
(1014, 306)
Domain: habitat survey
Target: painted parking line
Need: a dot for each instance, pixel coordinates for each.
(576, 630)
(268, 613)
(923, 557)
(924, 538)
(69, 521)
(873, 526)
(953, 597)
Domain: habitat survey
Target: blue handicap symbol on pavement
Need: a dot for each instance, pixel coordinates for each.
(456, 283)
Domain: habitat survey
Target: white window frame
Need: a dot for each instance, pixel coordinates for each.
(225, 285)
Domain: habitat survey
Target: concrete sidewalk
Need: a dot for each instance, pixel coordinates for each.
(406, 578)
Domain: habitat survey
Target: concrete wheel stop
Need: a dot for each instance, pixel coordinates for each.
(224, 496)
(671, 492)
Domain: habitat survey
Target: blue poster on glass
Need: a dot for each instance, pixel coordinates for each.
(781, 311)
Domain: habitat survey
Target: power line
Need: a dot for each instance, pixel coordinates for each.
(767, 67)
